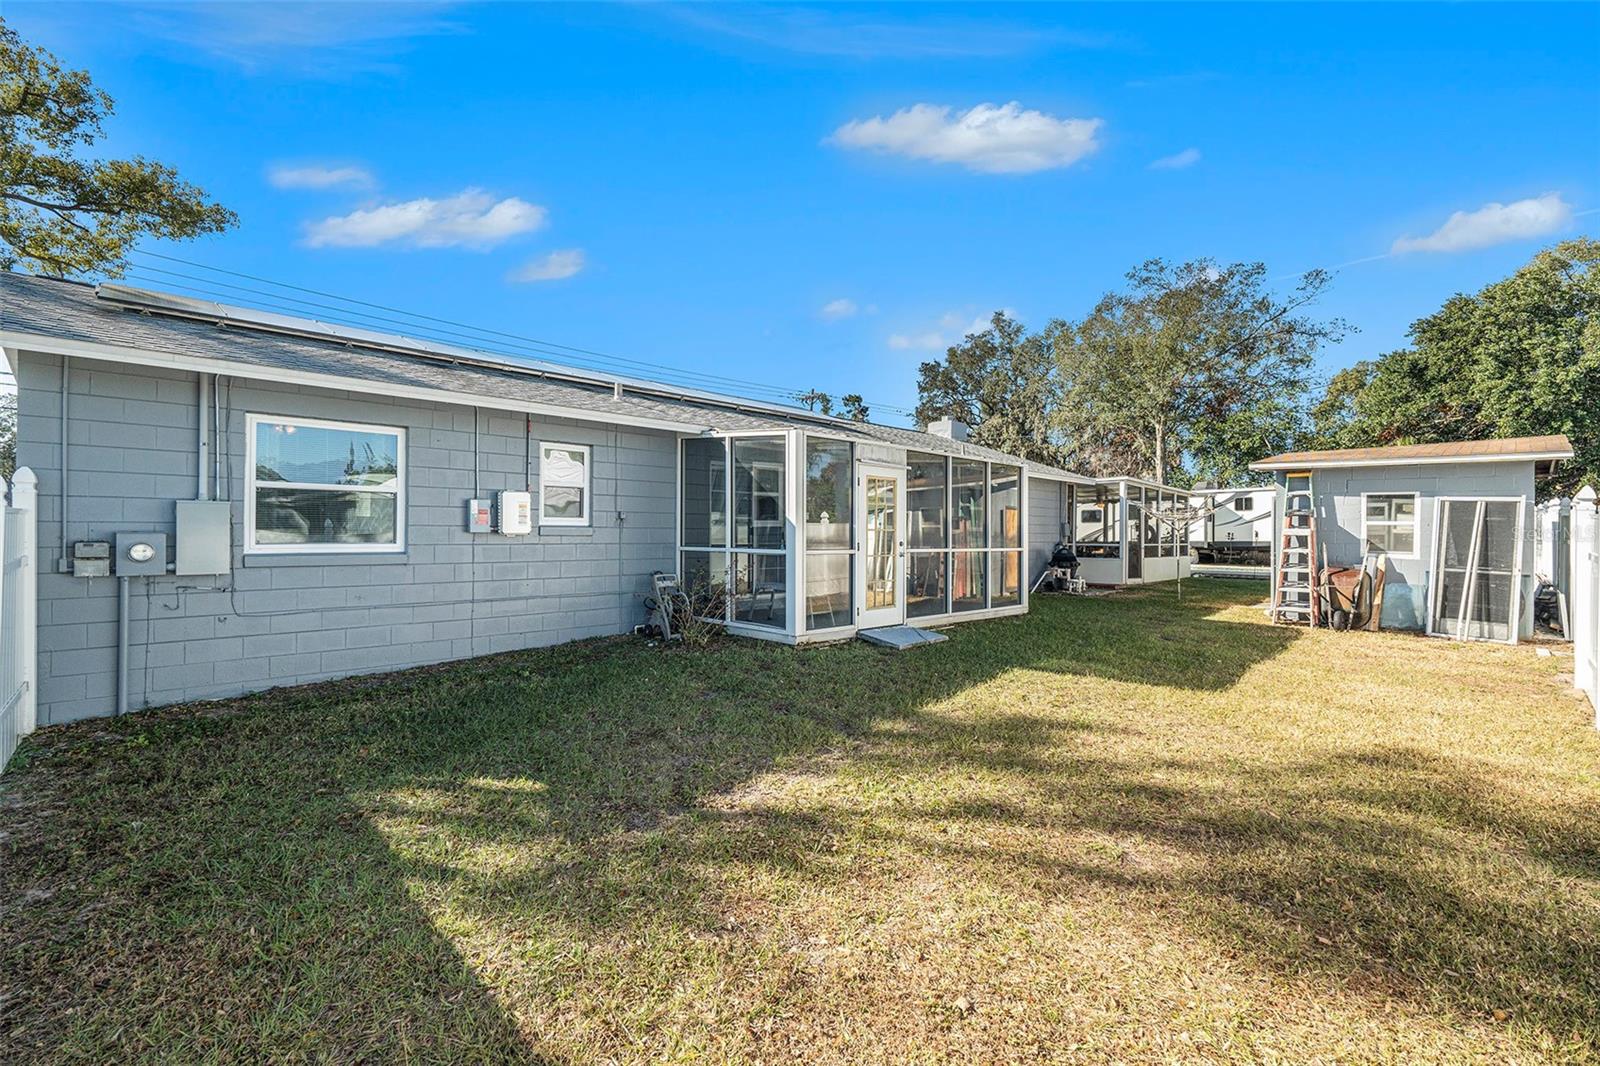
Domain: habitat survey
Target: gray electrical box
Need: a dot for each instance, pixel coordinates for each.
(141, 554)
(91, 558)
(480, 517)
(204, 537)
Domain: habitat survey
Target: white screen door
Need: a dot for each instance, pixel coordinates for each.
(880, 503)
(1477, 563)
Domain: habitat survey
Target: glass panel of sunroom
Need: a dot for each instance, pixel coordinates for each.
(967, 525)
(967, 581)
(925, 584)
(705, 581)
(1005, 578)
(1005, 506)
(927, 500)
(827, 494)
(760, 589)
(758, 477)
(705, 505)
(829, 578)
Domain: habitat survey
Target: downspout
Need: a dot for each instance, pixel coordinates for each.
(202, 490)
(62, 566)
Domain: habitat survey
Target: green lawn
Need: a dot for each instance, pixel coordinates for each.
(1117, 829)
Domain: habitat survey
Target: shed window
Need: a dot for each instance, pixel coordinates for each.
(564, 484)
(1389, 523)
(1244, 503)
(317, 486)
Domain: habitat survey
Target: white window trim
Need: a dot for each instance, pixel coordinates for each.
(587, 518)
(251, 421)
(1416, 524)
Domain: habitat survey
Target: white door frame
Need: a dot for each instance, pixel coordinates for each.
(1435, 557)
(896, 614)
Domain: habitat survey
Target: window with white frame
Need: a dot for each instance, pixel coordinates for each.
(564, 484)
(1389, 522)
(321, 486)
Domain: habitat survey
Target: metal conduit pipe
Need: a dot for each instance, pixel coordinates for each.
(61, 562)
(122, 646)
(202, 490)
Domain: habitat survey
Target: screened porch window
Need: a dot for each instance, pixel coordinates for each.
(734, 565)
(830, 534)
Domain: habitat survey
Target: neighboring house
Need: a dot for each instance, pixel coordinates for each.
(1437, 512)
(1234, 525)
(320, 501)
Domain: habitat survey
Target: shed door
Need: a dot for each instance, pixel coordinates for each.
(1477, 569)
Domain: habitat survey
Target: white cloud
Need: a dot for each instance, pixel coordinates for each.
(284, 176)
(834, 310)
(1492, 224)
(952, 328)
(471, 219)
(1186, 158)
(928, 342)
(987, 138)
(553, 267)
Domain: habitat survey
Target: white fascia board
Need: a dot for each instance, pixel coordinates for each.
(1431, 460)
(198, 364)
(13, 360)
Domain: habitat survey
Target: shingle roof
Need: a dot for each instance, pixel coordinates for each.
(73, 311)
(1505, 449)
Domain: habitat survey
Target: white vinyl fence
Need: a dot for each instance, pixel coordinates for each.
(19, 599)
(1585, 600)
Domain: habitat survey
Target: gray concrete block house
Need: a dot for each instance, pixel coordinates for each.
(1453, 522)
(241, 500)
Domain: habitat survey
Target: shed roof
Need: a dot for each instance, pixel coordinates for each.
(162, 329)
(1506, 449)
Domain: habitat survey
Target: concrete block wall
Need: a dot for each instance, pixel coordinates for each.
(1339, 516)
(281, 620)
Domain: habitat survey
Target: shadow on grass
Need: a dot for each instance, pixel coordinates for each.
(293, 873)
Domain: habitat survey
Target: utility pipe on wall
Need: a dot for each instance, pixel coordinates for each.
(122, 646)
(62, 566)
(202, 489)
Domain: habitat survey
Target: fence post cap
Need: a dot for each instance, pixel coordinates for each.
(24, 476)
(1586, 494)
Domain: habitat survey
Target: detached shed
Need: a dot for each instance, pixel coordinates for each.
(1453, 522)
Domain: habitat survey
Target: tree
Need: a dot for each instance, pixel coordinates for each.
(1192, 371)
(8, 434)
(854, 407)
(1519, 358)
(63, 215)
(1003, 383)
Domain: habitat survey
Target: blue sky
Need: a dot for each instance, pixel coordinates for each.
(825, 196)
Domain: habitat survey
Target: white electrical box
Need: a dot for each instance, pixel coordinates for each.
(514, 510)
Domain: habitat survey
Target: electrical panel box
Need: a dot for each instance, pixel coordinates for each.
(515, 513)
(204, 543)
(91, 558)
(480, 516)
(141, 554)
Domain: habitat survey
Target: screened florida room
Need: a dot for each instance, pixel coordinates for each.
(1125, 532)
(867, 534)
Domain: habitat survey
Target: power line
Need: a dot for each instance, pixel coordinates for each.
(530, 345)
